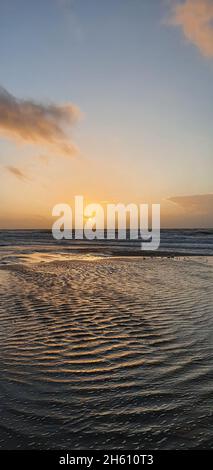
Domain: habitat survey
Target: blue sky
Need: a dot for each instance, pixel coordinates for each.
(145, 92)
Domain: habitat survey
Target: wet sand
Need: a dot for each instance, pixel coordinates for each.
(106, 353)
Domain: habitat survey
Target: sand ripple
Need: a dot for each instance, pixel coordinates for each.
(106, 353)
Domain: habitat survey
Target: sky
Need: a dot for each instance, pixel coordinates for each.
(112, 100)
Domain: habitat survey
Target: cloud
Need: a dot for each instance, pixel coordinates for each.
(195, 17)
(17, 173)
(199, 204)
(42, 125)
(43, 158)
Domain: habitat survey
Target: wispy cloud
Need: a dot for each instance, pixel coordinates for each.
(17, 173)
(43, 158)
(195, 17)
(42, 125)
(197, 204)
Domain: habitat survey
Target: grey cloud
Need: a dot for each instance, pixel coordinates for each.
(42, 125)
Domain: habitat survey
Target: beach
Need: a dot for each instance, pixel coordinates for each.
(105, 352)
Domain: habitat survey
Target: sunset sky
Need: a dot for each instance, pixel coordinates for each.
(109, 99)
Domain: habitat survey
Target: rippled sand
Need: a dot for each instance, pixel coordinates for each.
(106, 353)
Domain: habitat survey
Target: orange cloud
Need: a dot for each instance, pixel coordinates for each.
(37, 124)
(17, 173)
(195, 17)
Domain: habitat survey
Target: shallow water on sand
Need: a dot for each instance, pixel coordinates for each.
(106, 353)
